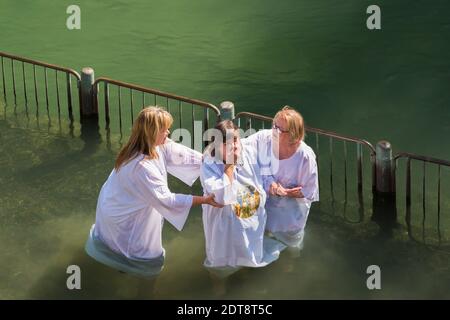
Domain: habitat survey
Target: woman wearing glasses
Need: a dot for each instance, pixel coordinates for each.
(291, 177)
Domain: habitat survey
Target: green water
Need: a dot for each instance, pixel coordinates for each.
(317, 56)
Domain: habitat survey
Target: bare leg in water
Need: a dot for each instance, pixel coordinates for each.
(219, 285)
(147, 288)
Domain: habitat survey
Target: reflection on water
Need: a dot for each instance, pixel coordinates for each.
(49, 195)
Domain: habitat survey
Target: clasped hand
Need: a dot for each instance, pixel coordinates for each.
(278, 190)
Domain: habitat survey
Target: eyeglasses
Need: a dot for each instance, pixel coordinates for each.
(279, 131)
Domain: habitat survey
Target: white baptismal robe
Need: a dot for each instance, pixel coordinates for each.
(135, 200)
(234, 234)
(286, 217)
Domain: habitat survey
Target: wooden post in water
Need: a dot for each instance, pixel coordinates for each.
(385, 168)
(89, 112)
(226, 110)
(384, 199)
(88, 108)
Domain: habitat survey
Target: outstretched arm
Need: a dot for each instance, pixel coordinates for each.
(182, 162)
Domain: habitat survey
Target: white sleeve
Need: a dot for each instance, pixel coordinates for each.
(310, 179)
(267, 181)
(182, 162)
(174, 207)
(260, 143)
(224, 190)
(255, 139)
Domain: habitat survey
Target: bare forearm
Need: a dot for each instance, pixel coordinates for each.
(209, 199)
(198, 200)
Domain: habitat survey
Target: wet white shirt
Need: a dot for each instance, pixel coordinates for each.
(135, 200)
(234, 234)
(287, 214)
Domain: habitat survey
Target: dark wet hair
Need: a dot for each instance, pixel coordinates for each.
(222, 126)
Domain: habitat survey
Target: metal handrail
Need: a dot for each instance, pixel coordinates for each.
(315, 130)
(344, 138)
(121, 84)
(42, 64)
(253, 115)
(157, 92)
(46, 66)
(424, 159)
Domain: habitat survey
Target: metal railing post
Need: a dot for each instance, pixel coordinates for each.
(384, 198)
(385, 180)
(226, 110)
(88, 105)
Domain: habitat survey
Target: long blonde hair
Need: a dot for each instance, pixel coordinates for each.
(148, 124)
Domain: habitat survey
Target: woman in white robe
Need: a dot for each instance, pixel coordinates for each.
(290, 167)
(135, 199)
(235, 233)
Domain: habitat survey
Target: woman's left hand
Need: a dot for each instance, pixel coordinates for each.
(294, 192)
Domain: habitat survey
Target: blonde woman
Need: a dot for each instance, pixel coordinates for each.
(135, 199)
(291, 177)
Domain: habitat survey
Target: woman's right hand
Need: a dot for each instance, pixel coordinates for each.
(277, 189)
(209, 199)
